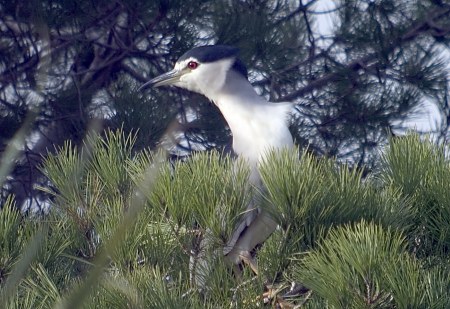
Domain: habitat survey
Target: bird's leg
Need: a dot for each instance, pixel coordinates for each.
(249, 261)
(258, 232)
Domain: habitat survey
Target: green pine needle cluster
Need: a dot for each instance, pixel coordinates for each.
(121, 226)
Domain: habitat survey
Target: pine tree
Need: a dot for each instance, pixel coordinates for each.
(121, 225)
(119, 193)
(74, 67)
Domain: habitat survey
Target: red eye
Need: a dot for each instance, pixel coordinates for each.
(192, 65)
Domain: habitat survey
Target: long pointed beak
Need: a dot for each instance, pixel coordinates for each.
(168, 78)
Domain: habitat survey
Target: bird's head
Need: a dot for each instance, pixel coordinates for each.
(202, 69)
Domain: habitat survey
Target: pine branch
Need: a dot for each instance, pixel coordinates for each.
(429, 25)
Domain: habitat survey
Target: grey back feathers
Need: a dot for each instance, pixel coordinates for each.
(211, 53)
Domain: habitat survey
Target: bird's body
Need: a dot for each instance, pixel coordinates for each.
(257, 126)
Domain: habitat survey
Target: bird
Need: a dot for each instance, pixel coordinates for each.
(257, 127)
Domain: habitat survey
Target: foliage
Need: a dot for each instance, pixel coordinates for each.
(122, 224)
(419, 170)
(364, 266)
(71, 68)
(308, 196)
(101, 218)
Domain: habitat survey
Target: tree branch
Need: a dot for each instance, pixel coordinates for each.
(370, 61)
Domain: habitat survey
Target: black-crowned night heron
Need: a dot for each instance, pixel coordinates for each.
(257, 126)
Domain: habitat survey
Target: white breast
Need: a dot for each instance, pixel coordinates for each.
(257, 127)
